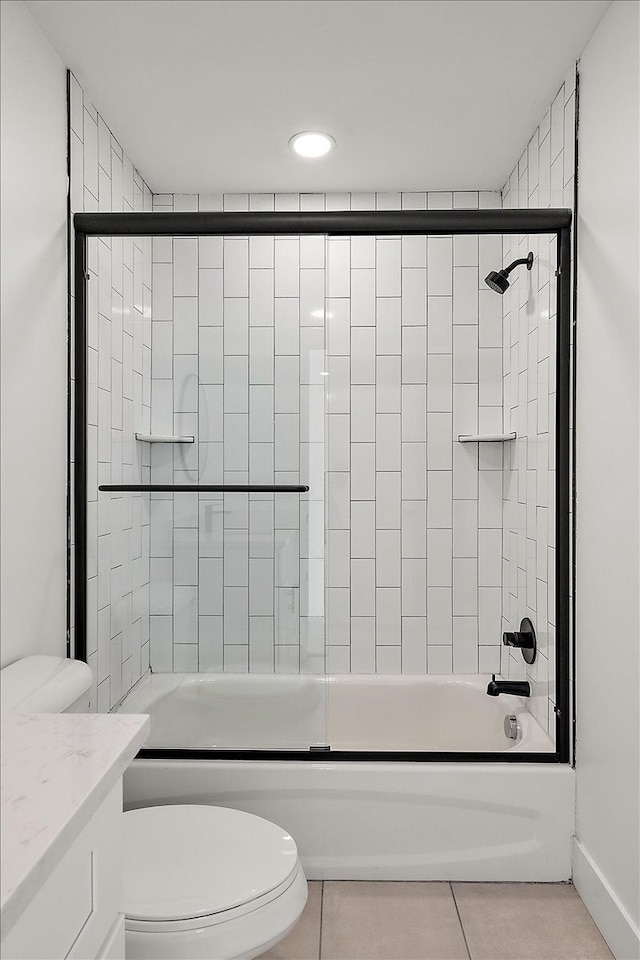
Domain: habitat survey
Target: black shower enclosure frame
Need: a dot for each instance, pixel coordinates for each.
(556, 221)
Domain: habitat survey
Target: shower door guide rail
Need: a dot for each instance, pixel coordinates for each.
(556, 221)
(340, 223)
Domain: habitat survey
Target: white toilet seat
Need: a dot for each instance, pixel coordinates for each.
(210, 920)
(207, 882)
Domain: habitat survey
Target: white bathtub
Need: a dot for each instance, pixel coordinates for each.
(360, 819)
(348, 713)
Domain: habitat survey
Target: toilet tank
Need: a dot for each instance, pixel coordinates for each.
(45, 685)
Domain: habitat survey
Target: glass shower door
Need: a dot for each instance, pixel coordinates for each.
(237, 560)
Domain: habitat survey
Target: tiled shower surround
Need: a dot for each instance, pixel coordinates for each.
(350, 364)
(414, 517)
(410, 357)
(119, 394)
(543, 177)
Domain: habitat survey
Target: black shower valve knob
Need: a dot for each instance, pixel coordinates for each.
(524, 641)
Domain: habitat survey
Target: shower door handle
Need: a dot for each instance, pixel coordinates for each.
(203, 488)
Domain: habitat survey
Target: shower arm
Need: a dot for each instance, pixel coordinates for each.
(516, 263)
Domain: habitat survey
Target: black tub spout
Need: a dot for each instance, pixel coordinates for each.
(518, 688)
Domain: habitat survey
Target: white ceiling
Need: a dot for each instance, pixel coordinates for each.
(205, 94)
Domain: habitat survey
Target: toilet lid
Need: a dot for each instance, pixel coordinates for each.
(185, 861)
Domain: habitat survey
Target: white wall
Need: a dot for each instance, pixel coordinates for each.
(34, 340)
(606, 861)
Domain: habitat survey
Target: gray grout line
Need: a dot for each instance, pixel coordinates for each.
(464, 936)
(321, 911)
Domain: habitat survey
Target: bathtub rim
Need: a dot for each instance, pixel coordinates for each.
(330, 756)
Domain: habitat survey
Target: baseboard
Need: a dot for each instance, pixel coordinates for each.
(614, 922)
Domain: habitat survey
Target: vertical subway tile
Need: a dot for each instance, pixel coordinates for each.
(414, 354)
(235, 273)
(185, 267)
(287, 266)
(440, 260)
(465, 295)
(261, 298)
(363, 298)
(389, 603)
(414, 297)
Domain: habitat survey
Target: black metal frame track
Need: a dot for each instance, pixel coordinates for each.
(341, 223)
(344, 756)
(380, 223)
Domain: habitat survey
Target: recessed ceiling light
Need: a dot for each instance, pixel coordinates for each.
(311, 145)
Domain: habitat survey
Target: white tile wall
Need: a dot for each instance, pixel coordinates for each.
(119, 404)
(414, 339)
(398, 377)
(239, 329)
(543, 177)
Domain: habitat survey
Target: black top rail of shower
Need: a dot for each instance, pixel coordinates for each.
(334, 223)
(203, 488)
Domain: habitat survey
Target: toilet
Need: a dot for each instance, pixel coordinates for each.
(200, 882)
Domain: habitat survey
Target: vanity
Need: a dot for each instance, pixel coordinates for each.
(61, 875)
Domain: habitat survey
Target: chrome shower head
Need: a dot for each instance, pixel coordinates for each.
(498, 280)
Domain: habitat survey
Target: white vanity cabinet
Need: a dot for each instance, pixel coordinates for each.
(75, 912)
(67, 902)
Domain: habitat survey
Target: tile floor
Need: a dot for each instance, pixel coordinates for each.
(344, 920)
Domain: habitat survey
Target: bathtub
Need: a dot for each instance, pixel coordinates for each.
(346, 713)
(361, 819)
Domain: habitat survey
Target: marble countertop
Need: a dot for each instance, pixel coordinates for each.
(56, 771)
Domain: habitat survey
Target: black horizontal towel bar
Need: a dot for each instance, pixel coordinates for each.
(202, 488)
